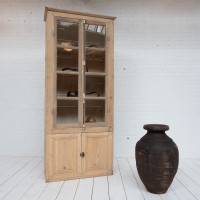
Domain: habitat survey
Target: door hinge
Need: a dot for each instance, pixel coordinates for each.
(108, 38)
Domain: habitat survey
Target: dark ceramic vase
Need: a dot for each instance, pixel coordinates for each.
(157, 158)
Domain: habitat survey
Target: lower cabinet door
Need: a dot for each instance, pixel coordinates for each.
(64, 159)
(98, 153)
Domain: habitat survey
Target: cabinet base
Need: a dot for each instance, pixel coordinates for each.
(59, 178)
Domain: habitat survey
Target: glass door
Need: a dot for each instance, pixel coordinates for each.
(81, 92)
(95, 74)
(67, 72)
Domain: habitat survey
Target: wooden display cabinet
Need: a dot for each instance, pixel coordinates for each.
(79, 95)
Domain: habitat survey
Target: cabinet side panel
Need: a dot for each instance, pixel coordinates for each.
(48, 88)
(110, 152)
(110, 64)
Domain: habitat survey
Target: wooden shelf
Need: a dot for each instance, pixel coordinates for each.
(67, 47)
(96, 124)
(93, 53)
(59, 97)
(94, 98)
(67, 73)
(95, 49)
(62, 52)
(95, 73)
(67, 98)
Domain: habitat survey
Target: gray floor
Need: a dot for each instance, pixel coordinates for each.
(23, 178)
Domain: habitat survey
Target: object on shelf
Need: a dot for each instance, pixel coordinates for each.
(67, 46)
(90, 119)
(96, 94)
(157, 158)
(92, 45)
(72, 94)
(73, 69)
(70, 69)
(67, 43)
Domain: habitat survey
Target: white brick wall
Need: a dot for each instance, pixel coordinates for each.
(157, 71)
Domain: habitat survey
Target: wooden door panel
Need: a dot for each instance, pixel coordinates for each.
(65, 156)
(98, 153)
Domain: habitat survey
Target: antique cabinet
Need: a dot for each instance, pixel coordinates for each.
(78, 95)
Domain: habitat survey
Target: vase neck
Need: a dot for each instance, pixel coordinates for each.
(155, 132)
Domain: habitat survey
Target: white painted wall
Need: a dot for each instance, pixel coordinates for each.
(157, 71)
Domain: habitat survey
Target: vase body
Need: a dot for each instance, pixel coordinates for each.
(157, 158)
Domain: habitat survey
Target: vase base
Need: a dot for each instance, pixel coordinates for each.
(156, 191)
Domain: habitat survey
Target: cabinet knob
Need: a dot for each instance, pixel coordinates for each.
(82, 154)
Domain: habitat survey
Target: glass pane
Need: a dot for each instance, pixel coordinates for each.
(67, 112)
(67, 46)
(67, 85)
(95, 47)
(67, 33)
(67, 61)
(95, 77)
(95, 62)
(95, 86)
(67, 72)
(100, 29)
(94, 111)
(91, 27)
(95, 36)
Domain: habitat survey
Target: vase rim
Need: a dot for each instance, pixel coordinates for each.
(156, 127)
